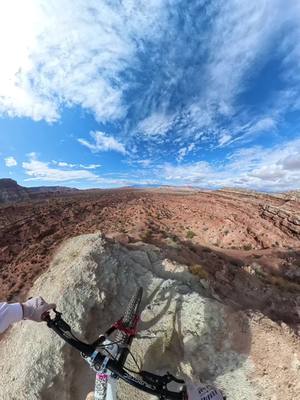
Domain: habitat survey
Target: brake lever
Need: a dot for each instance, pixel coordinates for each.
(173, 378)
(57, 321)
(163, 380)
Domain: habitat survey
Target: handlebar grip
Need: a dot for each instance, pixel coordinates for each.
(46, 316)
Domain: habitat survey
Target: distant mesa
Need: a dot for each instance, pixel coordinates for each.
(11, 191)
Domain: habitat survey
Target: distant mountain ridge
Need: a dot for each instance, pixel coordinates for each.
(11, 191)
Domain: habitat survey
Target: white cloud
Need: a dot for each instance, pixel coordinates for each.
(155, 124)
(70, 165)
(263, 125)
(63, 164)
(184, 151)
(17, 96)
(10, 161)
(103, 142)
(276, 169)
(181, 153)
(292, 161)
(67, 52)
(191, 147)
(93, 55)
(249, 130)
(224, 138)
(240, 41)
(267, 173)
(90, 166)
(189, 173)
(242, 31)
(144, 163)
(39, 170)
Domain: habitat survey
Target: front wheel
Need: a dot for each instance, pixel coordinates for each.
(129, 322)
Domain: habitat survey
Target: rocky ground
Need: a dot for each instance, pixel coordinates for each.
(183, 329)
(246, 244)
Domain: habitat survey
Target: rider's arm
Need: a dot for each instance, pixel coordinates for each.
(32, 309)
(9, 313)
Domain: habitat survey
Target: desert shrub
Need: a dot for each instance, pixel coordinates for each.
(247, 246)
(190, 234)
(172, 242)
(198, 270)
(260, 273)
(146, 235)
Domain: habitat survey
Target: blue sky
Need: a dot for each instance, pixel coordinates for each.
(113, 93)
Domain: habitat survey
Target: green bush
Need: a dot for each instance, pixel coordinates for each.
(199, 271)
(190, 234)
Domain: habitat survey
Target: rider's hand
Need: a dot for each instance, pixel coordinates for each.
(198, 392)
(36, 308)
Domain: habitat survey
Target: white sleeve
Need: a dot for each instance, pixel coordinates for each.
(9, 313)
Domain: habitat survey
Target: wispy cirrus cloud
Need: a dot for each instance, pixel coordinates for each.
(208, 70)
(103, 142)
(247, 132)
(155, 124)
(93, 55)
(74, 57)
(224, 138)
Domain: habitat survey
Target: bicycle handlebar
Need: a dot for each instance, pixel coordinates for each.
(150, 383)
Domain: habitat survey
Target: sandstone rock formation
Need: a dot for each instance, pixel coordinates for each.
(184, 329)
(287, 221)
(10, 191)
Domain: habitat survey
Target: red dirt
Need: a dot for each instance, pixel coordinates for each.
(246, 245)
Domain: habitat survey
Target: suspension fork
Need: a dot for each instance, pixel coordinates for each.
(105, 383)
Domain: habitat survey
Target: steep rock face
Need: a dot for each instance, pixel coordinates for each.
(287, 221)
(10, 191)
(182, 329)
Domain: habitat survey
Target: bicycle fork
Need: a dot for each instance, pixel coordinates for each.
(105, 387)
(105, 384)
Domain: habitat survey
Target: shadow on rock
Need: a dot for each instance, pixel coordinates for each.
(241, 281)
